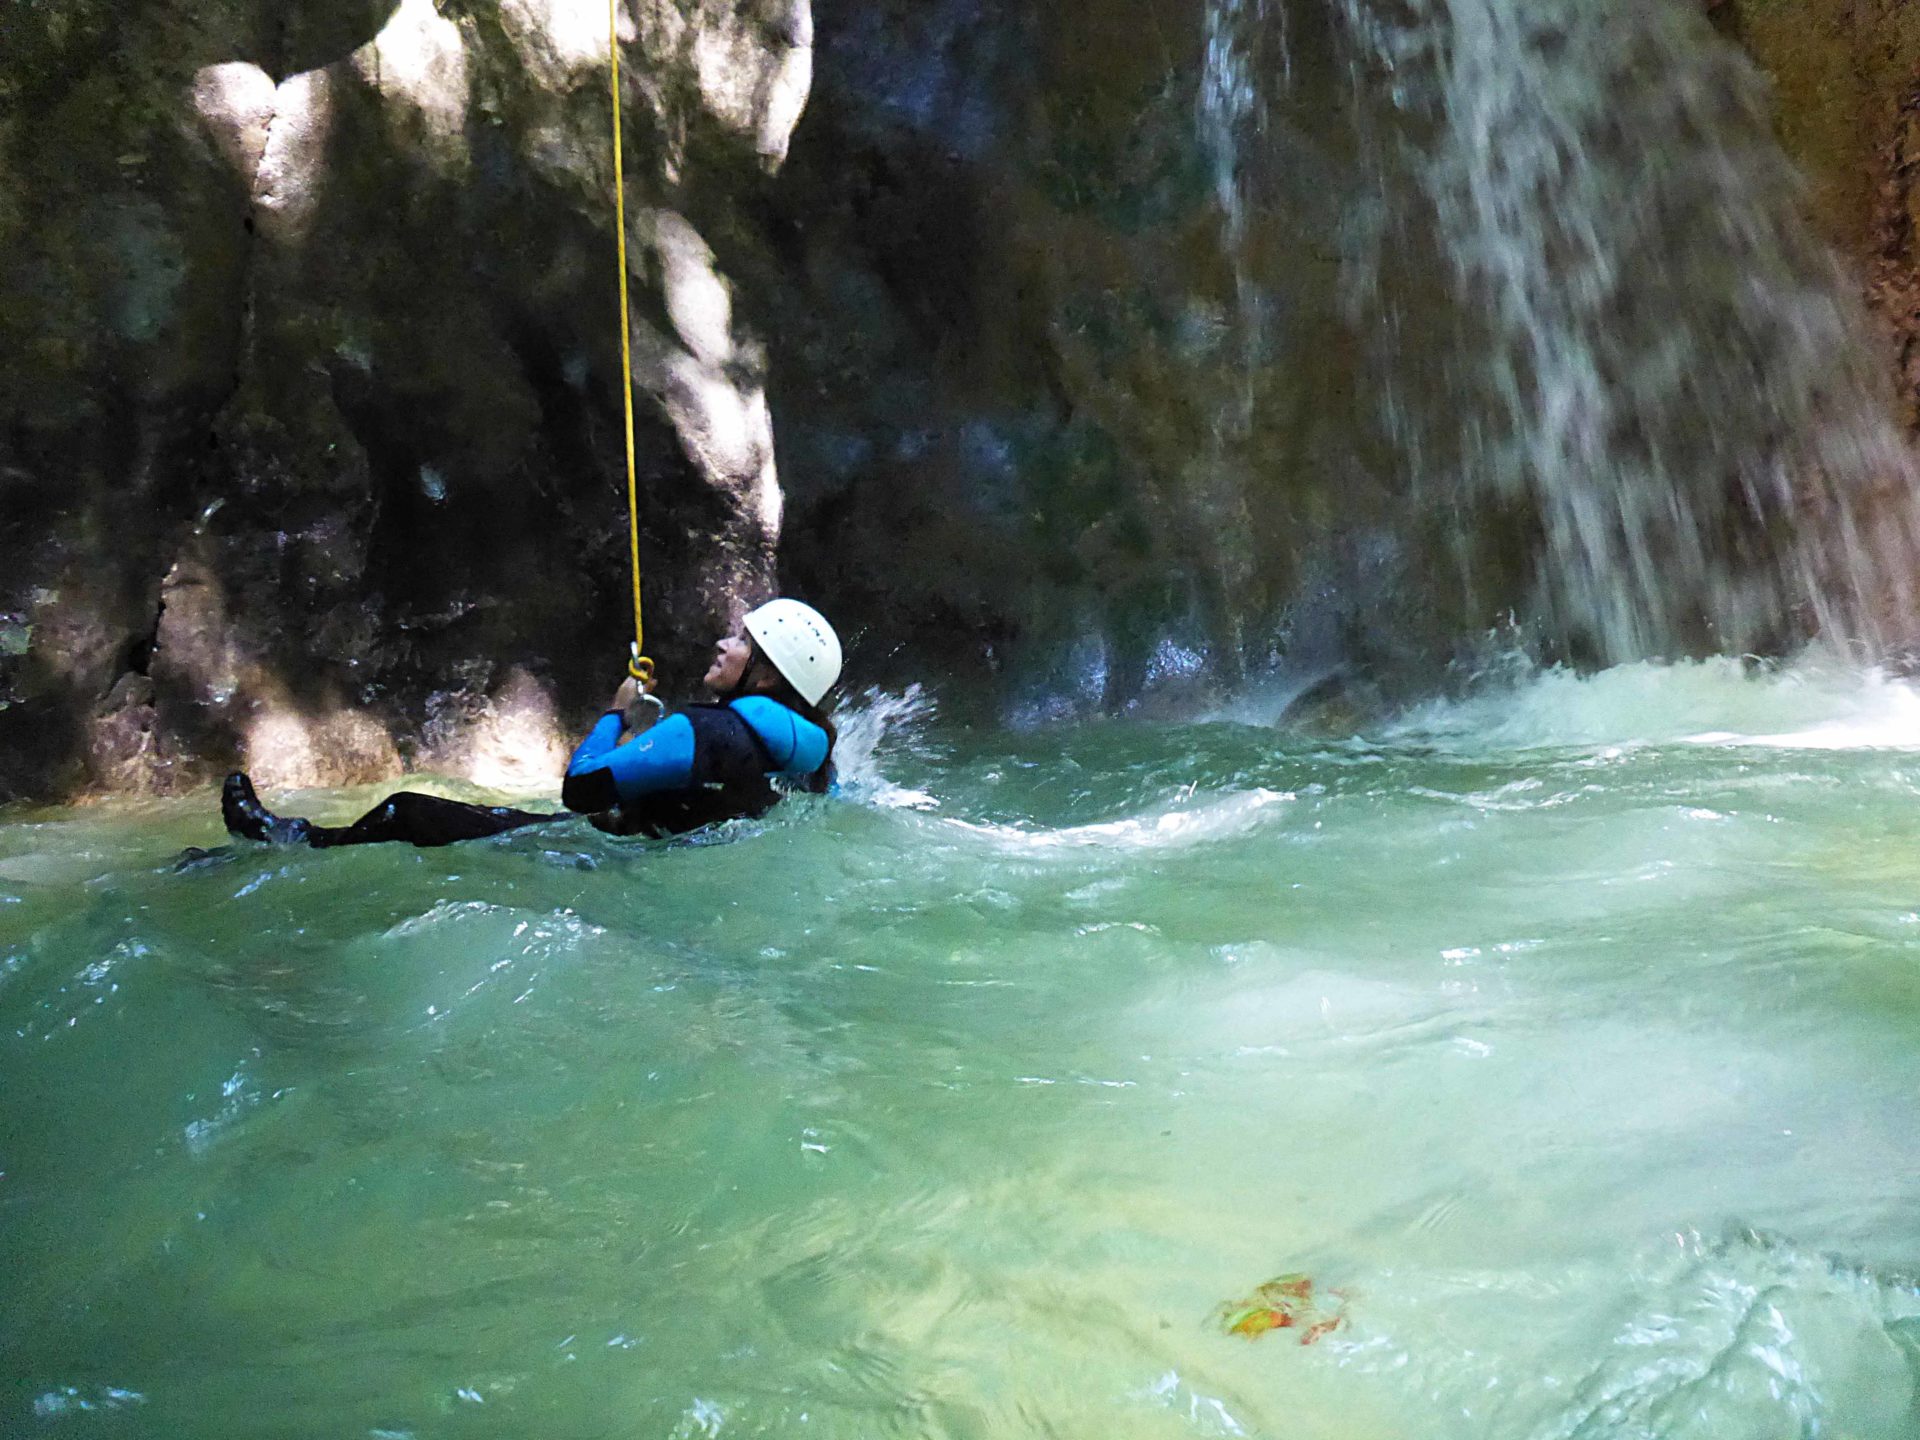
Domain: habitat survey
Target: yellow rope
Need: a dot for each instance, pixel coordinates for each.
(638, 666)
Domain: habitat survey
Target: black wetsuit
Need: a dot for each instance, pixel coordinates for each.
(409, 817)
(425, 820)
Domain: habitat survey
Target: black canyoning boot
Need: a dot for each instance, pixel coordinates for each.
(250, 820)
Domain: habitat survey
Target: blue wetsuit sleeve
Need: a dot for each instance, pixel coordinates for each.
(660, 758)
(796, 744)
(599, 742)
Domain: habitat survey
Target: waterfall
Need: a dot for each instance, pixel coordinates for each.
(1232, 117)
(1606, 351)
(1233, 106)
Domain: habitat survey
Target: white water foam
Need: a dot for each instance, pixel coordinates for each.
(1814, 703)
(878, 721)
(1217, 817)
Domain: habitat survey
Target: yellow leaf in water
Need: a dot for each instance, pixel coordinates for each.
(1258, 1321)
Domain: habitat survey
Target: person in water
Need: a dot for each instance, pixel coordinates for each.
(697, 766)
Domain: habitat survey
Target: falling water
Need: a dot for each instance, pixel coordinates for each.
(1244, 39)
(1621, 381)
(1233, 108)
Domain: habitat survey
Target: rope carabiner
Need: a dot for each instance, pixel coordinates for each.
(641, 669)
(639, 666)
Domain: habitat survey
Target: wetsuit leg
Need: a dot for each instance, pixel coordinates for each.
(424, 820)
(408, 817)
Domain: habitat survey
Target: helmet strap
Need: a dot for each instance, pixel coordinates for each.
(739, 687)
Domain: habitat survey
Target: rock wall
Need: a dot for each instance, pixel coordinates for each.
(309, 393)
(1846, 76)
(1895, 272)
(1023, 397)
(309, 410)
(1139, 342)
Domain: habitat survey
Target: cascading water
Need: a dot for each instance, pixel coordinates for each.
(1622, 391)
(1677, 377)
(1233, 115)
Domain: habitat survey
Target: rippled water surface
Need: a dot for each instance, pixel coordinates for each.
(1571, 1035)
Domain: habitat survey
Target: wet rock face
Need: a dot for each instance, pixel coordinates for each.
(310, 454)
(1895, 283)
(311, 436)
(1022, 397)
(1213, 338)
(1847, 84)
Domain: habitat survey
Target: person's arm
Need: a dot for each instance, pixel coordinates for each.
(600, 743)
(604, 772)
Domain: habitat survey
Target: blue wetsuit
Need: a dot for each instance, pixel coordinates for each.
(701, 765)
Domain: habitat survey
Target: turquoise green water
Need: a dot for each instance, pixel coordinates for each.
(1572, 1034)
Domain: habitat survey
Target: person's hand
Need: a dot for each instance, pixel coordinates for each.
(635, 705)
(629, 693)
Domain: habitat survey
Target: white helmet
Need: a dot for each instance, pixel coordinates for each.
(797, 640)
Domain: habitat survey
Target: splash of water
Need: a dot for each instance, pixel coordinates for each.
(1812, 703)
(868, 727)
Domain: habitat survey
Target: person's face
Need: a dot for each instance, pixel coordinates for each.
(730, 660)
